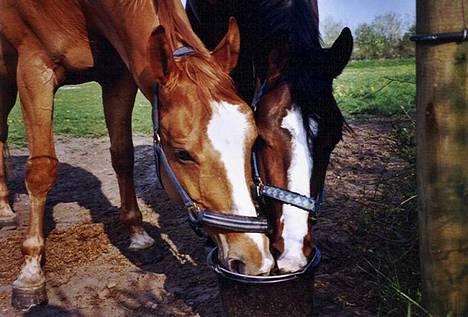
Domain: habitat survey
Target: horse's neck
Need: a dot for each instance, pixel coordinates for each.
(127, 25)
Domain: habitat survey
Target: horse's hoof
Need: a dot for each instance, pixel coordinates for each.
(140, 241)
(26, 298)
(8, 223)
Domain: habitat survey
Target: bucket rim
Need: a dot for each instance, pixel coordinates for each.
(212, 261)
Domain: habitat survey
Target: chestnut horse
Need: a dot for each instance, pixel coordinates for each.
(297, 117)
(207, 131)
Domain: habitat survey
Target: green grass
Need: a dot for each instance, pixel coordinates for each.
(390, 229)
(79, 113)
(377, 87)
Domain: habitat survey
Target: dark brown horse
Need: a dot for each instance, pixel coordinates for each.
(297, 117)
(207, 131)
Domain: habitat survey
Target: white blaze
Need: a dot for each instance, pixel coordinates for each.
(299, 173)
(227, 130)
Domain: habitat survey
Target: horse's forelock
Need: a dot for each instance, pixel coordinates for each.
(212, 83)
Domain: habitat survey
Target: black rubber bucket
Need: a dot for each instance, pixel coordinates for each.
(289, 295)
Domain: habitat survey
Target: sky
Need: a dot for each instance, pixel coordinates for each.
(354, 12)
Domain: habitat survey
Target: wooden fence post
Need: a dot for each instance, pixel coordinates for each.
(442, 163)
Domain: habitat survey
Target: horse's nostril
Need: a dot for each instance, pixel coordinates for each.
(236, 266)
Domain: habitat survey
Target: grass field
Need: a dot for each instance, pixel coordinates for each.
(377, 87)
(365, 88)
(79, 112)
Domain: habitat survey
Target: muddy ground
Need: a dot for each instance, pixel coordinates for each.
(90, 272)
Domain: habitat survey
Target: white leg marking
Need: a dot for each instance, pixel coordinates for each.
(6, 212)
(140, 240)
(31, 275)
(227, 131)
(299, 173)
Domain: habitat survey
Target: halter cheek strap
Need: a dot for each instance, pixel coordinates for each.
(198, 217)
(161, 158)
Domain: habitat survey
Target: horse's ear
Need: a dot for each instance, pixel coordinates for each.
(339, 54)
(227, 51)
(160, 55)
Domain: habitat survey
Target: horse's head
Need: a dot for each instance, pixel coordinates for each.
(299, 124)
(207, 133)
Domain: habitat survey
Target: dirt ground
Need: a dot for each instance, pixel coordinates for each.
(90, 272)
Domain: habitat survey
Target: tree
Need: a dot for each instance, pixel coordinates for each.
(390, 26)
(406, 47)
(369, 42)
(381, 38)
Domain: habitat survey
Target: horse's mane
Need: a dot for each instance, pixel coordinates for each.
(172, 16)
(199, 66)
(294, 22)
(291, 20)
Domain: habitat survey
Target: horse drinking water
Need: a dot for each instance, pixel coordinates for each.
(297, 117)
(206, 130)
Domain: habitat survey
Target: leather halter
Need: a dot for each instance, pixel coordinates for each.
(309, 204)
(197, 216)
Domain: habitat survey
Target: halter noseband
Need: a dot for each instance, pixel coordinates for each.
(197, 216)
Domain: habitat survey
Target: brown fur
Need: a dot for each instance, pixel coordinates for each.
(54, 42)
(274, 153)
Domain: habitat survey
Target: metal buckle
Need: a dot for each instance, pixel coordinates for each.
(194, 220)
(156, 138)
(314, 215)
(193, 212)
(257, 190)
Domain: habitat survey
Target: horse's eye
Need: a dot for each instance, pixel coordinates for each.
(183, 156)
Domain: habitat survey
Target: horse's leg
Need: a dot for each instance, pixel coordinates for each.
(36, 83)
(118, 94)
(8, 92)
